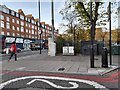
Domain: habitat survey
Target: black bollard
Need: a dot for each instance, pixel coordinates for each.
(105, 58)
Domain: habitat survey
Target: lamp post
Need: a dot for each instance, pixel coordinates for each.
(52, 12)
(109, 11)
(40, 31)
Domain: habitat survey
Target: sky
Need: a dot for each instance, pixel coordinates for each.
(31, 7)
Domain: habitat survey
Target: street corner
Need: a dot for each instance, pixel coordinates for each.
(50, 83)
(101, 70)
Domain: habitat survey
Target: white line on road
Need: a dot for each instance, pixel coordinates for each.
(94, 84)
(21, 68)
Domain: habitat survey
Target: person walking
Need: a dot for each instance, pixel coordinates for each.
(13, 50)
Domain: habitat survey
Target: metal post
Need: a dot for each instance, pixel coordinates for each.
(92, 33)
(52, 11)
(39, 24)
(40, 44)
(110, 33)
(74, 42)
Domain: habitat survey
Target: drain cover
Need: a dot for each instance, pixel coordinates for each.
(61, 69)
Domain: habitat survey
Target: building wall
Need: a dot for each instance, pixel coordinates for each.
(17, 24)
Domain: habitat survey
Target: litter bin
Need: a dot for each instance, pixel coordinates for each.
(105, 58)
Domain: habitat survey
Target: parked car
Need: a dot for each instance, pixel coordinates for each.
(7, 50)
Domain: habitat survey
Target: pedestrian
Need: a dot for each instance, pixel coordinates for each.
(13, 50)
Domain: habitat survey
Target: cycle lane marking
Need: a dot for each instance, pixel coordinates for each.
(92, 83)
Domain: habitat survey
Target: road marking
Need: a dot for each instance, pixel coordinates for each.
(75, 85)
(21, 68)
(92, 83)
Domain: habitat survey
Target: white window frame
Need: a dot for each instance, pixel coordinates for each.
(22, 29)
(13, 27)
(2, 24)
(13, 20)
(2, 33)
(22, 23)
(18, 29)
(8, 33)
(2, 17)
(7, 25)
(8, 19)
(18, 22)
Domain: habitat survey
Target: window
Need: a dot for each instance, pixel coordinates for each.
(17, 15)
(5, 10)
(32, 26)
(1, 8)
(38, 23)
(32, 31)
(13, 34)
(7, 25)
(13, 20)
(26, 30)
(2, 24)
(26, 24)
(18, 29)
(13, 27)
(35, 33)
(42, 25)
(18, 34)
(13, 13)
(2, 17)
(22, 23)
(22, 17)
(28, 20)
(29, 36)
(33, 21)
(29, 25)
(17, 21)
(8, 19)
(35, 27)
(22, 29)
(8, 33)
(2, 33)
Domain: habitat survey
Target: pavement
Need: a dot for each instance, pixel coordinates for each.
(79, 64)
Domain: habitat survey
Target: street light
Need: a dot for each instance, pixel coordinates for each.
(52, 12)
(40, 31)
(109, 13)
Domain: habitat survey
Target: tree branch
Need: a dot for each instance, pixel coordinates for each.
(96, 11)
(82, 5)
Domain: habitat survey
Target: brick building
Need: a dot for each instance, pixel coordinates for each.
(23, 29)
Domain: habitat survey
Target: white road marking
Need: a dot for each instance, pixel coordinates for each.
(92, 83)
(21, 68)
(75, 85)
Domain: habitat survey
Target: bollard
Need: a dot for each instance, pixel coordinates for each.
(105, 58)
